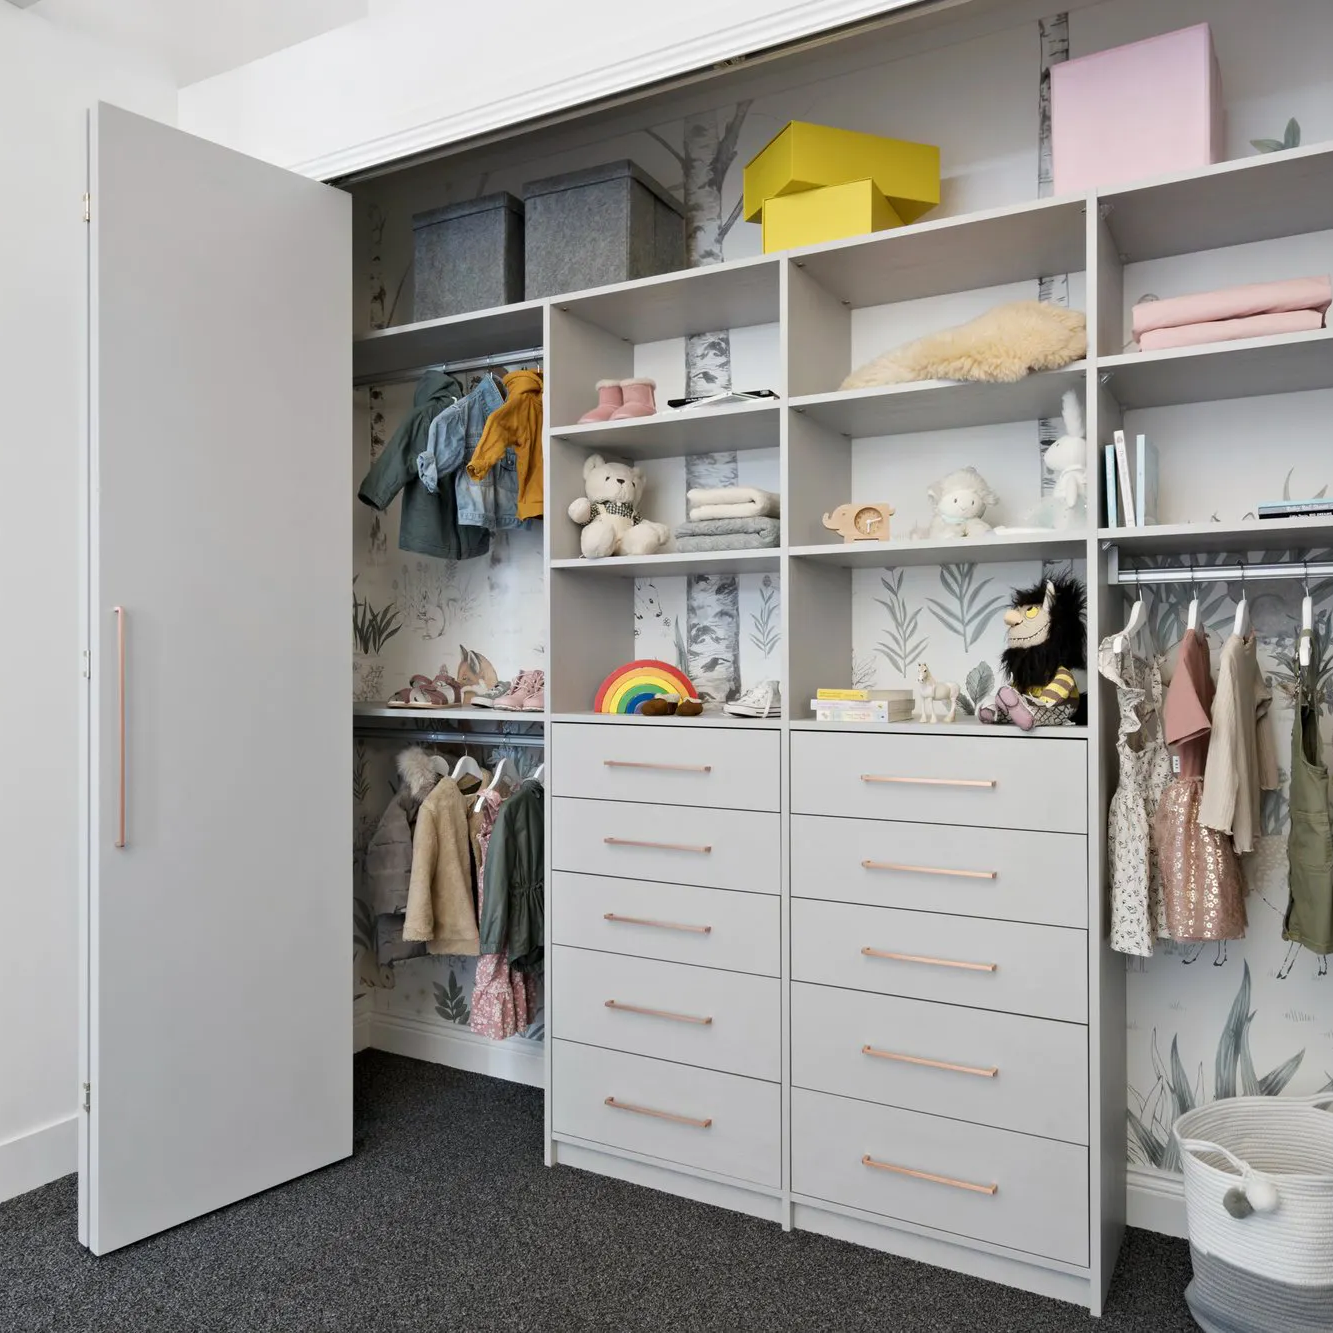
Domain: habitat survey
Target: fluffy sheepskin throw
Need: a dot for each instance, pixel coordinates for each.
(1002, 345)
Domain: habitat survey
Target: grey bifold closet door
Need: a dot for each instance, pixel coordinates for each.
(217, 939)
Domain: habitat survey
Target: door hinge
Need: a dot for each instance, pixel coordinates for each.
(87, 208)
(87, 1096)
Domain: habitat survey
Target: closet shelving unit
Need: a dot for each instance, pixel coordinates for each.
(815, 301)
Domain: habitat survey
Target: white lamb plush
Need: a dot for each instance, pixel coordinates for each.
(959, 499)
(609, 512)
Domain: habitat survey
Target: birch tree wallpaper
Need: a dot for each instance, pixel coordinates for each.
(1204, 1021)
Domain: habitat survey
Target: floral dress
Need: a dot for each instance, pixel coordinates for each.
(1137, 910)
(504, 1000)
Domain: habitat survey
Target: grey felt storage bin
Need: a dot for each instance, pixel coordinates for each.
(600, 225)
(469, 256)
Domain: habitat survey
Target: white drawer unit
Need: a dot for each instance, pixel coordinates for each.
(687, 764)
(693, 1015)
(1023, 1074)
(714, 1122)
(723, 849)
(1002, 873)
(1014, 782)
(678, 923)
(1019, 969)
(1014, 1190)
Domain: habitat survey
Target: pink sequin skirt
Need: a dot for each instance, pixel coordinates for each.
(1202, 884)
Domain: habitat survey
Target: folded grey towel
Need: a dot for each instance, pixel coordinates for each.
(721, 527)
(739, 541)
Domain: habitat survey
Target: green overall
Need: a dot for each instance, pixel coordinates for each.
(1309, 918)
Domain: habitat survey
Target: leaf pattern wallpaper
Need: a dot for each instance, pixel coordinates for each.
(1204, 1020)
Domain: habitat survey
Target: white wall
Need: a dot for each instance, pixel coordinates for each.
(48, 78)
(415, 74)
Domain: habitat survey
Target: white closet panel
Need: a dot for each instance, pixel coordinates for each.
(217, 1036)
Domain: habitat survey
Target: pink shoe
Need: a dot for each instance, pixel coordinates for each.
(536, 699)
(518, 692)
(639, 400)
(609, 399)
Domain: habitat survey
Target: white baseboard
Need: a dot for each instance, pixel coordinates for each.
(38, 1157)
(517, 1060)
(1155, 1200)
(363, 1012)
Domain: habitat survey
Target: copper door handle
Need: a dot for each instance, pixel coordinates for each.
(665, 768)
(927, 1175)
(930, 782)
(120, 713)
(659, 925)
(656, 846)
(931, 1064)
(656, 1013)
(658, 1115)
(928, 870)
(868, 952)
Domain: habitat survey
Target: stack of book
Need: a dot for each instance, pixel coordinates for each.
(1320, 508)
(839, 705)
(1131, 482)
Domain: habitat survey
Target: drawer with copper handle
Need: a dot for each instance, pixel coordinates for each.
(996, 780)
(1016, 968)
(688, 763)
(1016, 1190)
(671, 844)
(1001, 873)
(678, 923)
(1003, 1070)
(713, 1122)
(695, 1015)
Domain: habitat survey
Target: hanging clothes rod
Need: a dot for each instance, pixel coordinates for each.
(439, 736)
(1321, 569)
(523, 354)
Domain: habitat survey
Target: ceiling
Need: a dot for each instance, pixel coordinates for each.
(200, 38)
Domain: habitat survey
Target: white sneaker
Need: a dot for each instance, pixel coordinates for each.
(762, 700)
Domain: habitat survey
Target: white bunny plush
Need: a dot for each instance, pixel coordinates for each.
(609, 512)
(1067, 461)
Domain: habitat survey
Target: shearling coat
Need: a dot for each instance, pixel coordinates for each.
(440, 905)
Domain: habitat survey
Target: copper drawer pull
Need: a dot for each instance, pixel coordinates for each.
(120, 709)
(657, 1013)
(930, 1064)
(926, 1175)
(928, 870)
(658, 1115)
(657, 846)
(931, 782)
(933, 962)
(660, 925)
(666, 768)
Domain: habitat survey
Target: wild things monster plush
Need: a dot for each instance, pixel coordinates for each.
(1047, 641)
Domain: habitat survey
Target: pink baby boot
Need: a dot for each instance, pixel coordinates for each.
(609, 400)
(639, 400)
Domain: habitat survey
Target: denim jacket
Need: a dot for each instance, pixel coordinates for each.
(491, 503)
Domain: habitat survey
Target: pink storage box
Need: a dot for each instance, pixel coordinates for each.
(1146, 109)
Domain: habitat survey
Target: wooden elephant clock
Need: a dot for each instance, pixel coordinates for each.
(860, 523)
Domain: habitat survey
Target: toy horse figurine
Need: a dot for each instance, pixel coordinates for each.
(931, 692)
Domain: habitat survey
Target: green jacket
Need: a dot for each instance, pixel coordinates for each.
(429, 523)
(513, 907)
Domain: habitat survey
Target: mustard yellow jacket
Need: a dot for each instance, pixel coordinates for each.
(516, 425)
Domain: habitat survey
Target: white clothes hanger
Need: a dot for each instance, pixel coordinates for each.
(1241, 627)
(1307, 619)
(540, 774)
(1193, 620)
(467, 766)
(1138, 616)
(494, 783)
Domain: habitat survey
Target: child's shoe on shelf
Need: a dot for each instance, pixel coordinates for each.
(762, 700)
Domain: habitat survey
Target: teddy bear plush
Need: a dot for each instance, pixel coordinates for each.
(608, 512)
(959, 501)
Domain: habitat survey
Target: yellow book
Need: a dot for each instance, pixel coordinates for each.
(853, 696)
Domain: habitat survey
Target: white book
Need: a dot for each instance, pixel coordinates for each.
(1126, 473)
(1112, 496)
(1145, 481)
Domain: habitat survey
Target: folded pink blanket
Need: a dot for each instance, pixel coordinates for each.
(1257, 298)
(1227, 330)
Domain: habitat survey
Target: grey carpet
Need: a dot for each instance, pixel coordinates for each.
(446, 1219)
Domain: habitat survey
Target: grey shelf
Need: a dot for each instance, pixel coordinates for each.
(902, 551)
(965, 726)
(408, 347)
(1187, 539)
(382, 712)
(1254, 199)
(954, 254)
(672, 434)
(900, 409)
(1249, 367)
(690, 562)
(675, 305)
(706, 719)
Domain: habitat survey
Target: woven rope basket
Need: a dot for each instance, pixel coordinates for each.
(1251, 1143)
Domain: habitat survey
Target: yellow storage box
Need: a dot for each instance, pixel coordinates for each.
(828, 214)
(805, 157)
